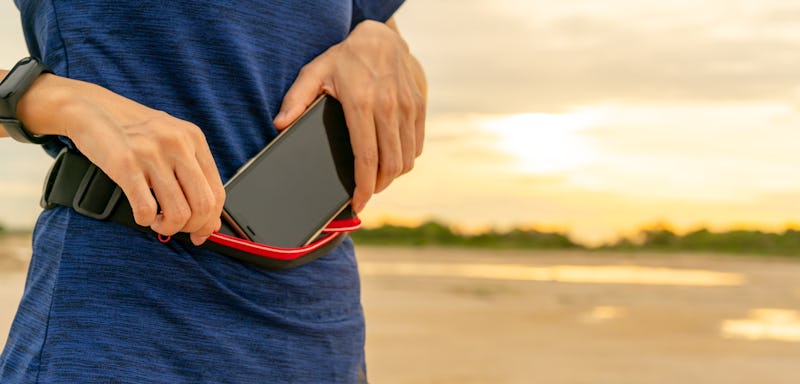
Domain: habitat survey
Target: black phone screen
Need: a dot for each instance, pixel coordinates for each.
(298, 183)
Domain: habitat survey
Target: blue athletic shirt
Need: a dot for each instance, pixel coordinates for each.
(105, 304)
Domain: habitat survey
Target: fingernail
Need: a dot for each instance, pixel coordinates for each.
(281, 115)
(198, 241)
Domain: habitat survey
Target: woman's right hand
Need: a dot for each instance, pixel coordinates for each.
(139, 148)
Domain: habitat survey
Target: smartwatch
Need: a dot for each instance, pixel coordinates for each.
(12, 88)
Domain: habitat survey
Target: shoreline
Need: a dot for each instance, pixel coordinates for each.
(424, 310)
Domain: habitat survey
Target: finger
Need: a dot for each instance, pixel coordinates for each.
(199, 237)
(419, 123)
(408, 134)
(209, 168)
(418, 106)
(198, 194)
(365, 150)
(141, 199)
(390, 148)
(305, 89)
(125, 171)
(175, 211)
(211, 176)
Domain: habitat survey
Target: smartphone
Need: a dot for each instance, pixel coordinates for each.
(292, 189)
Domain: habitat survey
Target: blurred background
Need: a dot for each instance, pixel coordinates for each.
(607, 195)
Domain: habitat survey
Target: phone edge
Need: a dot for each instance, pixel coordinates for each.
(229, 218)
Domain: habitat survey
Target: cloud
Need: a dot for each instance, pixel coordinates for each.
(514, 56)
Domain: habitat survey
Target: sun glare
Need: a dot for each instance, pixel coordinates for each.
(544, 143)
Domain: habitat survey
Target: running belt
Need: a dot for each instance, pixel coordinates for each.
(73, 181)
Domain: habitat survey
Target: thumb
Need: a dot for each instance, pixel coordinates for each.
(306, 88)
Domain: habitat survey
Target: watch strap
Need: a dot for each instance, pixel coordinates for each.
(13, 86)
(18, 132)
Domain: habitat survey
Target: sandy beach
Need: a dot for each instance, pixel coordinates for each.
(480, 316)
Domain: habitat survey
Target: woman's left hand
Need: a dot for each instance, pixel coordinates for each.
(382, 90)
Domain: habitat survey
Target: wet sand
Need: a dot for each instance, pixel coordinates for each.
(438, 316)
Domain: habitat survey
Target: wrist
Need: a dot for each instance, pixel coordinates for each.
(40, 108)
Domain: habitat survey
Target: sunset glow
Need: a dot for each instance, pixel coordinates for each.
(543, 143)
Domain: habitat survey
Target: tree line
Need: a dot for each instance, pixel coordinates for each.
(660, 238)
(656, 238)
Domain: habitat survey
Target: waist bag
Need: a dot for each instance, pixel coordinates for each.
(73, 181)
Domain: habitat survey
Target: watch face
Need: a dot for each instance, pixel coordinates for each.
(10, 86)
(7, 88)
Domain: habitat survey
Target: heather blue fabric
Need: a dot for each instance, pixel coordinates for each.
(105, 304)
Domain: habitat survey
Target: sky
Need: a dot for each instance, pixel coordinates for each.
(590, 117)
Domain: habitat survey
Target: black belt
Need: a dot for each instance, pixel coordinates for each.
(74, 181)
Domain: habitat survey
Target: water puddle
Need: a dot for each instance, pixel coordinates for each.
(603, 314)
(765, 324)
(611, 274)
